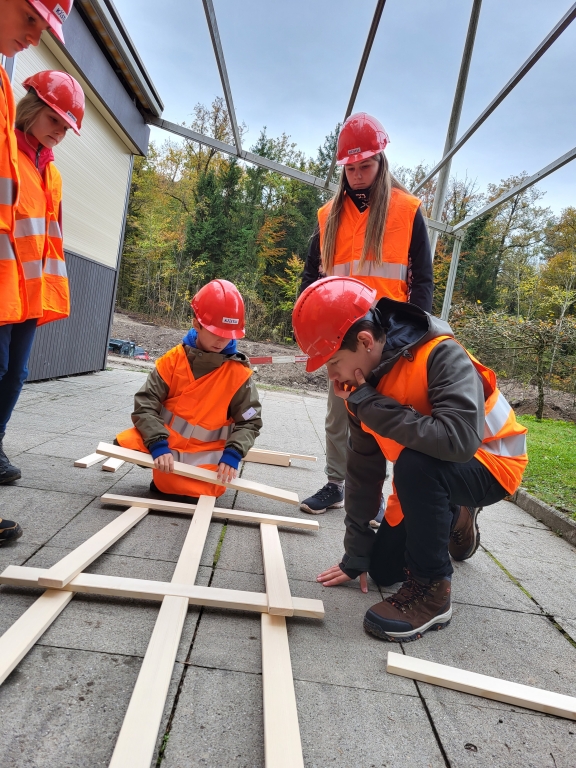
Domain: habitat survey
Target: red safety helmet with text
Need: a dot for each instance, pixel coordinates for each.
(219, 308)
(361, 137)
(62, 93)
(323, 314)
(55, 14)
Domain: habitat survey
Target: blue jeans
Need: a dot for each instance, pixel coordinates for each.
(15, 346)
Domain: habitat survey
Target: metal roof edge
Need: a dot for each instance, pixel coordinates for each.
(114, 36)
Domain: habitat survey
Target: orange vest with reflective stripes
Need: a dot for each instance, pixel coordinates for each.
(13, 304)
(390, 279)
(39, 242)
(503, 449)
(196, 416)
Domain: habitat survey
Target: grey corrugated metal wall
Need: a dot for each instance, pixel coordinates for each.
(77, 344)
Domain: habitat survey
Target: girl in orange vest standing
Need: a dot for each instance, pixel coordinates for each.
(21, 25)
(373, 229)
(54, 103)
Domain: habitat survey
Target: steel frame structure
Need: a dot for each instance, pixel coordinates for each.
(452, 146)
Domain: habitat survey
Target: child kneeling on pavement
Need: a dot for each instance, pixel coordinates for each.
(417, 398)
(200, 405)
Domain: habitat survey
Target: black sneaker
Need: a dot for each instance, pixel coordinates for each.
(8, 472)
(328, 497)
(9, 531)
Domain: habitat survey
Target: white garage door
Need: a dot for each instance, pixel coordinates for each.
(95, 170)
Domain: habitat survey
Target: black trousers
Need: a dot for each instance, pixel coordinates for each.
(430, 492)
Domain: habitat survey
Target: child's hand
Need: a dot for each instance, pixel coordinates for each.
(226, 473)
(164, 463)
(344, 391)
(335, 575)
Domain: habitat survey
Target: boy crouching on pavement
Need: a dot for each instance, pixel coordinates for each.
(417, 398)
(200, 405)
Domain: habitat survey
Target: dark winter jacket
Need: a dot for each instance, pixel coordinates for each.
(453, 432)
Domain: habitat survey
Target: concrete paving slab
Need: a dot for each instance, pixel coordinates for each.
(506, 512)
(49, 473)
(65, 707)
(70, 447)
(41, 514)
(520, 647)
(17, 441)
(17, 553)
(475, 736)
(536, 545)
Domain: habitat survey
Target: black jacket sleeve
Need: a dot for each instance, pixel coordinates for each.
(420, 273)
(313, 267)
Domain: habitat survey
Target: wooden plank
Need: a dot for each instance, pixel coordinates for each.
(197, 473)
(221, 514)
(282, 745)
(89, 461)
(80, 558)
(482, 685)
(277, 587)
(268, 457)
(17, 641)
(111, 465)
(304, 457)
(137, 739)
(142, 589)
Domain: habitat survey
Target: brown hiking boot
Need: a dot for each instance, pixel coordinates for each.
(419, 606)
(465, 536)
(9, 531)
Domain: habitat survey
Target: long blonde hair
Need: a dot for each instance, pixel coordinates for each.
(377, 215)
(27, 111)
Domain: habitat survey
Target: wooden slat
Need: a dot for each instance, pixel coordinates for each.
(282, 745)
(142, 589)
(277, 587)
(268, 457)
(303, 457)
(17, 641)
(483, 685)
(221, 514)
(89, 461)
(197, 473)
(137, 739)
(111, 465)
(80, 558)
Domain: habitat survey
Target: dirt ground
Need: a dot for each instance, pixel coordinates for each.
(159, 339)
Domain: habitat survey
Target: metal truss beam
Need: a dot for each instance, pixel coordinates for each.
(219, 53)
(360, 74)
(537, 54)
(530, 181)
(263, 162)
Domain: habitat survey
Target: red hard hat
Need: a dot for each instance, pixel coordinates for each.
(54, 13)
(219, 308)
(323, 314)
(361, 137)
(62, 93)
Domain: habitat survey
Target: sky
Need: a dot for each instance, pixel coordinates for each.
(292, 64)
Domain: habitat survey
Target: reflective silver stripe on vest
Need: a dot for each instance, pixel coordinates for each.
(54, 229)
(55, 267)
(498, 416)
(6, 250)
(28, 227)
(7, 191)
(197, 459)
(513, 445)
(32, 269)
(188, 430)
(387, 270)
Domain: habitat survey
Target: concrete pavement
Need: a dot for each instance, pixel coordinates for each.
(63, 706)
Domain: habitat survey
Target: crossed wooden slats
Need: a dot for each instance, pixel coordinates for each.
(138, 735)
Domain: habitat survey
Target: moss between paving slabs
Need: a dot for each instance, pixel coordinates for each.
(551, 471)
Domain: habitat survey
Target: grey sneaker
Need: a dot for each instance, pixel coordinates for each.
(328, 497)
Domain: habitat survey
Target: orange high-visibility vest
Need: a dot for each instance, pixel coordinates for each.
(39, 242)
(390, 279)
(503, 449)
(13, 304)
(196, 416)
